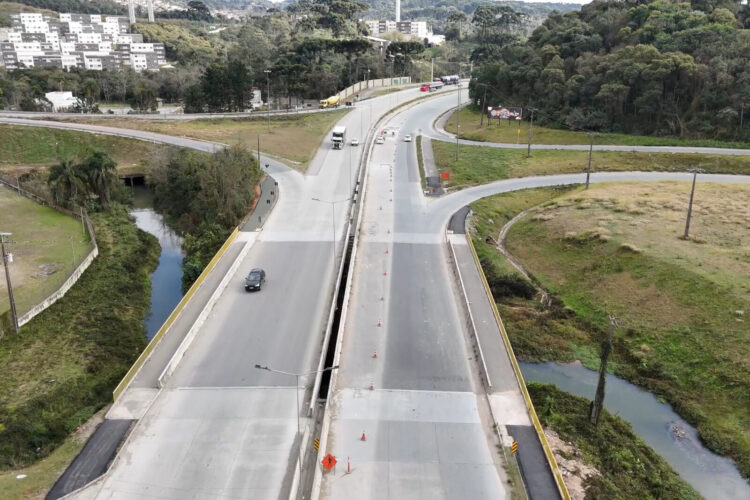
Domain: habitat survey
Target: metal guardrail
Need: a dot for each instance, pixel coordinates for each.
(563, 490)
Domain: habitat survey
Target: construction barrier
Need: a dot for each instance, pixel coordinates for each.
(171, 319)
(529, 405)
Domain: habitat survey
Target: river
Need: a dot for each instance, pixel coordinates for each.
(712, 475)
(166, 280)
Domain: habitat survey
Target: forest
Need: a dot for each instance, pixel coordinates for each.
(661, 67)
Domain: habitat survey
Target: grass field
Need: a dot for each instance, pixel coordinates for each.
(62, 367)
(479, 164)
(47, 246)
(293, 137)
(616, 249)
(500, 131)
(39, 147)
(629, 467)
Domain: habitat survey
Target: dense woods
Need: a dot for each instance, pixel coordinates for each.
(661, 67)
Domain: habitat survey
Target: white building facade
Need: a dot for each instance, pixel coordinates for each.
(90, 41)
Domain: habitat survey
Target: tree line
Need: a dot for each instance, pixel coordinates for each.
(661, 67)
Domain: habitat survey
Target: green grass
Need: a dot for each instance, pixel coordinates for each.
(480, 164)
(41, 476)
(63, 365)
(500, 131)
(293, 137)
(615, 249)
(40, 147)
(629, 467)
(41, 237)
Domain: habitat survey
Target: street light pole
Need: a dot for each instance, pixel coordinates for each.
(13, 312)
(296, 377)
(531, 133)
(268, 96)
(333, 228)
(695, 172)
(458, 114)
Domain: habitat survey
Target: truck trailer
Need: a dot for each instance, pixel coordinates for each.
(338, 137)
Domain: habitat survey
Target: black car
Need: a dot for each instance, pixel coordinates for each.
(255, 279)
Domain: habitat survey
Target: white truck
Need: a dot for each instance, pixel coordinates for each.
(338, 137)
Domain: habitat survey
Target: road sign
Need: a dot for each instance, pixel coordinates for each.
(329, 461)
(316, 444)
(514, 447)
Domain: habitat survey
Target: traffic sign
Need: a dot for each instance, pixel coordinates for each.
(514, 447)
(329, 461)
(316, 444)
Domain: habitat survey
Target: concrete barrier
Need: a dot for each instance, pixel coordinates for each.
(171, 319)
(563, 490)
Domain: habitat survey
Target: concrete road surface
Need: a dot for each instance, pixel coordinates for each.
(219, 427)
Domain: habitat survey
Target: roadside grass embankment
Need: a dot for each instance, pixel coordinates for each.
(480, 165)
(682, 304)
(63, 365)
(500, 131)
(628, 467)
(47, 247)
(23, 148)
(292, 137)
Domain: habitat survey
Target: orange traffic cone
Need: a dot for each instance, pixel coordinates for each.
(363, 438)
(375, 354)
(372, 387)
(380, 323)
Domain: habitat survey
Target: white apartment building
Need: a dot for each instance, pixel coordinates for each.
(413, 28)
(77, 41)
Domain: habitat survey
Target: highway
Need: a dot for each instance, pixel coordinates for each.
(409, 379)
(219, 427)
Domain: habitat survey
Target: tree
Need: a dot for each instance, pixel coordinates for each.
(65, 183)
(100, 174)
(87, 97)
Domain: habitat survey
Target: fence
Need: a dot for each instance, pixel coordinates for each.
(78, 271)
(371, 84)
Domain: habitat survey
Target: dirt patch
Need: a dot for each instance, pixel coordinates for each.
(574, 470)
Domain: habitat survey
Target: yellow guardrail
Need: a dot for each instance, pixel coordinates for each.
(529, 405)
(172, 317)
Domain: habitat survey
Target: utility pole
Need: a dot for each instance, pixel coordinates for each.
(695, 172)
(432, 69)
(484, 105)
(458, 114)
(598, 402)
(258, 150)
(588, 167)
(6, 261)
(268, 96)
(531, 133)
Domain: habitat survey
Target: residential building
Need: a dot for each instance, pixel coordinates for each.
(90, 41)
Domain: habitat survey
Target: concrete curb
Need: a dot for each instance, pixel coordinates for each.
(471, 315)
(193, 332)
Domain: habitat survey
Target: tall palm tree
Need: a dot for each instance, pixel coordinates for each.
(65, 183)
(101, 176)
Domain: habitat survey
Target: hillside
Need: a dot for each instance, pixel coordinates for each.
(661, 67)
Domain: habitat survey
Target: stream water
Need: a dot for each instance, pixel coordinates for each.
(712, 475)
(166, 280)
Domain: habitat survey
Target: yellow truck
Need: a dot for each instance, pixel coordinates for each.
(331, 102)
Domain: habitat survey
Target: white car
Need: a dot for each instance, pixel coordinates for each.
(407, 138)
(355, 142)
(380, 140)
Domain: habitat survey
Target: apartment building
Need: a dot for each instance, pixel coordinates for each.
(89, 41)
(417, 29)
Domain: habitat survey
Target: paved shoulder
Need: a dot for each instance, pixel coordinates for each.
(93, 459)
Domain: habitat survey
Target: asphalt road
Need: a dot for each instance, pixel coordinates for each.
(221, 427)
(435, 130)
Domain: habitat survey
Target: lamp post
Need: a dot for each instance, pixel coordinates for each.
(333, 228)
(268, 96)
(6, 261)
(458, 114)
(296, 394)
(588, 166)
